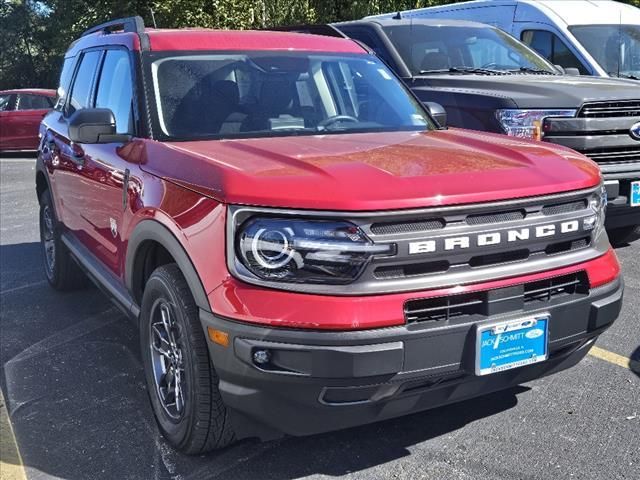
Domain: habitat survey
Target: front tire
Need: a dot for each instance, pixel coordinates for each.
(181, 381)
(61, 270)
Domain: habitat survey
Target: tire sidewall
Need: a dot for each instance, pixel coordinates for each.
(52, 275)
(156, 290)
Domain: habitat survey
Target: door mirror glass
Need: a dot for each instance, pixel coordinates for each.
(438, 113)
(94, 125)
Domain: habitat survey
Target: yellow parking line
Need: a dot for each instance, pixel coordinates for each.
(616, 359)
(11, 467)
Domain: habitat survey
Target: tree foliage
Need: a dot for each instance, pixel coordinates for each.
(36, 33)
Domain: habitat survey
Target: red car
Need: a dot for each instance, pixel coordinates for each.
(21, 112)
(301, 245)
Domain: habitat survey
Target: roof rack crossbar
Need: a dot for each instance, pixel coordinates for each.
(128, 24)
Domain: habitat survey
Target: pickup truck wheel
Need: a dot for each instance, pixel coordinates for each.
(181, 380)
(61, 270)
(621, 236)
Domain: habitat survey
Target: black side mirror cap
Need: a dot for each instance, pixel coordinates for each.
(438, 113)
(94, 125)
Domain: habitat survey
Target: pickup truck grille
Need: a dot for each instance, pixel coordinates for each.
(478, 306)
(613, 156)
(630, 108)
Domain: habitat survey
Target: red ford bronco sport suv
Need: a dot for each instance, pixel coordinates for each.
(302, 246)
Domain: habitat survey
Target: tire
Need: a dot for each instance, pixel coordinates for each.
(624, 235)
(62, 272)
(193, 418)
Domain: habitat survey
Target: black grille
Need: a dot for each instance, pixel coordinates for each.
(546, 290)
(563, 247)
(617, 155)
(499, 258)
(403, 271)
(477, 306)
(496, 217)
(567, 207)
(629, 108)
(391, 228)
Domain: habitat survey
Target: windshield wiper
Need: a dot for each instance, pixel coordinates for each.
(533, 70)
(471, 70)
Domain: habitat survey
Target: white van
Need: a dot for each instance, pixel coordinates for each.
(598, 37)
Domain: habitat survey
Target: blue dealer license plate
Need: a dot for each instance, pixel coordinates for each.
(510, 344)
(635, 194)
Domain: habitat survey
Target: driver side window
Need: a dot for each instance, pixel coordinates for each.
(83, 84)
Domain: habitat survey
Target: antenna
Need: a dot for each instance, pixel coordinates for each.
(153, 18)
(397, 16)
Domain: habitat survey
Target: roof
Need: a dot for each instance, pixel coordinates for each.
(37, 91)
(190, 39)
(588, 12)
(431, 22)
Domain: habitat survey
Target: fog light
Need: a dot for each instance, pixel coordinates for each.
(261, 357)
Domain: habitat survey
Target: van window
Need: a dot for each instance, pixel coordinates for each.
(115, 91)
(550, 46)
(83, 84)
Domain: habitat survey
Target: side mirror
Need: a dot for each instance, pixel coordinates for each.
(94, 125)
(568, 70)
(438, 113)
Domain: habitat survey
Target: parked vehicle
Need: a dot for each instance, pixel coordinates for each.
(487, 80)
(302, 247)
(598, 37)
(20, 114)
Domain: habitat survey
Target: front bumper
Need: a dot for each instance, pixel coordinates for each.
(619, 211)
(318, 381)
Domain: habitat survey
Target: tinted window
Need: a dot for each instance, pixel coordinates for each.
(615, 47)
(553, 49)
(5, 102)
(65, 81)
(114, 89)
(370, 41)
(83, 84)
(33, 102)
(428, 49)
(262, 94)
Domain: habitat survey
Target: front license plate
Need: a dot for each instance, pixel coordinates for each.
(635, 194)
(510, 344)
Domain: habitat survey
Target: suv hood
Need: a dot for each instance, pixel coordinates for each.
(533, 91)
(373, 171)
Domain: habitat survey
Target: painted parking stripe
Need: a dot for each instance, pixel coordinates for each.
(11, 467)
(616, 359)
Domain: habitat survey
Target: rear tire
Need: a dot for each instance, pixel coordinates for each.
(61, 270)
(181, 380)
(624, 235)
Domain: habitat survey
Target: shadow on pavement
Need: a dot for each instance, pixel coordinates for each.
(75, 392)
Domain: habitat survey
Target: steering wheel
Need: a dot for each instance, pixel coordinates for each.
(337, 118)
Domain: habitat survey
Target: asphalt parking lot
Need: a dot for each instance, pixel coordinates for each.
(74, 389)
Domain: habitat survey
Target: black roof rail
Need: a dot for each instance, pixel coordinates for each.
(127, 24)
(315, 29)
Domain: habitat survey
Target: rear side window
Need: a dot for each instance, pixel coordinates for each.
(6, 103)
(115, 89)
(65, 82)
(33, 102)
(83, 83)
(553, 49)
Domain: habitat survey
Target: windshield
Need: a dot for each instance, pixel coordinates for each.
(616, 48)
(263, 94)
(430, 49)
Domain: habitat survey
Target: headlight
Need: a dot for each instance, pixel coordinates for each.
(527, 123)
(598, 204)
(304, 251)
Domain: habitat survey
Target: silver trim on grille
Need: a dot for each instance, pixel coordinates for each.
(464, 267)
